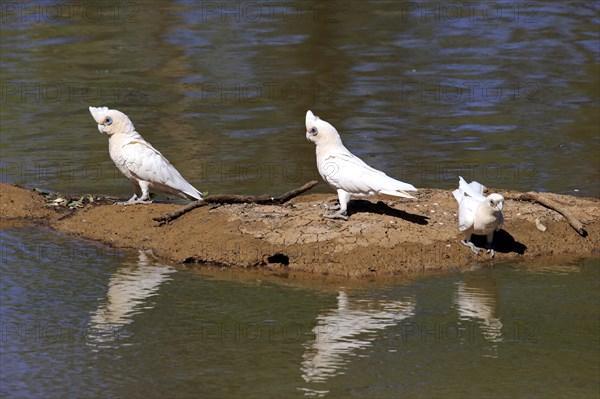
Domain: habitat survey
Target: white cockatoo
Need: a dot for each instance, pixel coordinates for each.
(344, 171)
(142, 164)
(478, 214)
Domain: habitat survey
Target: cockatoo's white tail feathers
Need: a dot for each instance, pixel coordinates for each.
(399, 189)
(188, 190)
(397, 193)
(191, 192)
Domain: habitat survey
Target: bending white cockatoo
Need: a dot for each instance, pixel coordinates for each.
(345, 172)
(141, 163)
(478, 214)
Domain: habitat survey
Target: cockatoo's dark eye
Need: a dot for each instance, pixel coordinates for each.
(108, 121)
(314, 131)
(492, 202)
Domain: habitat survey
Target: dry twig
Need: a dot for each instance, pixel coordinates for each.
(263, 199)
(555, 206)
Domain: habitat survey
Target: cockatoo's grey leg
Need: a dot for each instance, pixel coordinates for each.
(341, 214)
(490, 247)
(145, 198)
(136, 199)
(332, 207)
(136, 194)
(467, 243)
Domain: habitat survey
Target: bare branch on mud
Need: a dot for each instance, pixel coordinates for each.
(263, 199)
(555, 206)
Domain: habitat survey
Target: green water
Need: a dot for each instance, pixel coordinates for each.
(79, 320)
(506, 93)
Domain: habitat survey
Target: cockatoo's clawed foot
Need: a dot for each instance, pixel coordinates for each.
(134, 202)
(129, 201)
(337, 215)
(471, 246)
(491, 252)
(332, 207)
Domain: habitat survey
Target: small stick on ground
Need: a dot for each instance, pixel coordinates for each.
(263, 199)
(555, 206)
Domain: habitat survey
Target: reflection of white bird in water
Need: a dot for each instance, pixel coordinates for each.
(344, 171)
(141, 163)
(478, 303)
(128, 290)
(478, 214)
(337, 333)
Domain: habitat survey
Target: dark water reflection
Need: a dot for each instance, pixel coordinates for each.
(87, 321)
(505, 92)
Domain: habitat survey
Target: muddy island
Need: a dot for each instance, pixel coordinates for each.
(384, 236)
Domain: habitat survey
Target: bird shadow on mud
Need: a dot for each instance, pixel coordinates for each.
(503, 243)
(380, 208)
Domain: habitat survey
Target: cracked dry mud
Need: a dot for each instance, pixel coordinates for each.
(384, 236)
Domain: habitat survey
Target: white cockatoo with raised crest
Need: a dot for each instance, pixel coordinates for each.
(344, 171)
(478, 214)
(142, 164)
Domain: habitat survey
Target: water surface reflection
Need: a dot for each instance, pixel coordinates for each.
(508, 101)
(183, 334)
(477, 301)
(343, 332)
(129, 291)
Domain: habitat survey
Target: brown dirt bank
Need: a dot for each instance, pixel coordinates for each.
(381, 239)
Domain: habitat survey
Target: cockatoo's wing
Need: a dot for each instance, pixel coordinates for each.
(473, 189)
(466, 212)
(348, 172)
(148, 164)
(458, 195)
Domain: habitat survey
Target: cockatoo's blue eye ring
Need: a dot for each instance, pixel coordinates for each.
(314, 131)
(108, 121)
